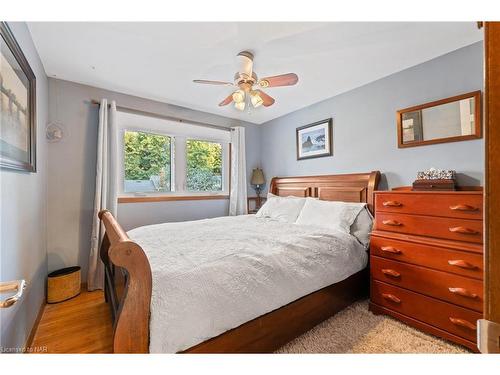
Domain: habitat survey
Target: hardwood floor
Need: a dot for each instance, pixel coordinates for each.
(79, 325)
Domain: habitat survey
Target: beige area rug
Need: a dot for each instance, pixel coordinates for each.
(357, 330)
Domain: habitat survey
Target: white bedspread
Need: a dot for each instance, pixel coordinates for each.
(212, 275)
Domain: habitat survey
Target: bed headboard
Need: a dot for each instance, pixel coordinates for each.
(356, 187)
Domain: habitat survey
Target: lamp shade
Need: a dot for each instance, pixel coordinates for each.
(239, 96)
(257, 177)
(256, 99)
(240, 106)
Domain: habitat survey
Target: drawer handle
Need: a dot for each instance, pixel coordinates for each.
(393, 223)
(462, 264)
(463, 230)
(389, 272)
(463, 207)
(390, 249)
(391, 297)
(392, 204)
(463, 323)
(463, 292)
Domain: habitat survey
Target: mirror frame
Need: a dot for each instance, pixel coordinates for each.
(477, 120)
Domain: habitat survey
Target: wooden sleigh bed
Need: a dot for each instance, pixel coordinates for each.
(128, 281)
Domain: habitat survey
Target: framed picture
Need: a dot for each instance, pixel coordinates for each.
(17, 106)
(315, 140)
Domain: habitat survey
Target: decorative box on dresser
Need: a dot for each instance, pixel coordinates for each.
(426, 261)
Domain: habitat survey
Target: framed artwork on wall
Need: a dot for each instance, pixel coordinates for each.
(17, 106)
(315, 140)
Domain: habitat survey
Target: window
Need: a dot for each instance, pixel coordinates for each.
(204, 166)
(162, 159)
(147, 162)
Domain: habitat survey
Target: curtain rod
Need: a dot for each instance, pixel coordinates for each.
(165, 117)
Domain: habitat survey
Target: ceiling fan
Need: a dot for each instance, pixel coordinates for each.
(245, 79)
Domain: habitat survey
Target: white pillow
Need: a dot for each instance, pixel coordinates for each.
(362, 227)
(271, 195)
(281, 209)
(329, 214)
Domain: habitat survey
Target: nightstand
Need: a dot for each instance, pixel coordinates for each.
(257, 203)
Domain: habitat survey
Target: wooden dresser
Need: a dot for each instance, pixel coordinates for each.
(426, 261)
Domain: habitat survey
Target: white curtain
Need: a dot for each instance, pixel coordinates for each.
(106, 185)
(238, 193)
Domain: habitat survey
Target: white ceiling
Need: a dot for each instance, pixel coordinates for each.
(159, 60)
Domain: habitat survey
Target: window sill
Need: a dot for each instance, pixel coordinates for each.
(167, 198)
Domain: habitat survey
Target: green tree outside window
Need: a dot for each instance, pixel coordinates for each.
(148, 161)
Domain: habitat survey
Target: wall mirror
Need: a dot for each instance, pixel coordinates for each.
(448, 120)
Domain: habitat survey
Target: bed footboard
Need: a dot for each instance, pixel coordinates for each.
(131, 305)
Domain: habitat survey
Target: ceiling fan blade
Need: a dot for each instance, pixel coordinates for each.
(245, 63)
(207, 82)
(288, 79)
(226, 101)
(267, 100)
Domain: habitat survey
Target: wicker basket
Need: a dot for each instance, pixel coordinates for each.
(63, 284)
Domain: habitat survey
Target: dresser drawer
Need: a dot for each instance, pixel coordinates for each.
(459, 205)
(454, 319)
(440, 227)
(457, 262)
(455, 289)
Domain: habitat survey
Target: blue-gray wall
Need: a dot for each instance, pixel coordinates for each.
(23, 206)
(364, 128)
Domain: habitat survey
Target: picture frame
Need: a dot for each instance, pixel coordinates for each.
(315, 140)
(17, 106)
(453, 119)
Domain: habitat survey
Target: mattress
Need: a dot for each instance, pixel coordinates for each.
(212, 275)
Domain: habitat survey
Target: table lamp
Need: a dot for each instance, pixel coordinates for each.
(257, 182)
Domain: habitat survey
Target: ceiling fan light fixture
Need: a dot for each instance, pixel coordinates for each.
(239, 96)
(240, 106)
(247, 93)
(256, 99)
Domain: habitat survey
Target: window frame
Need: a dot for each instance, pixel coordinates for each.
(178, 169)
